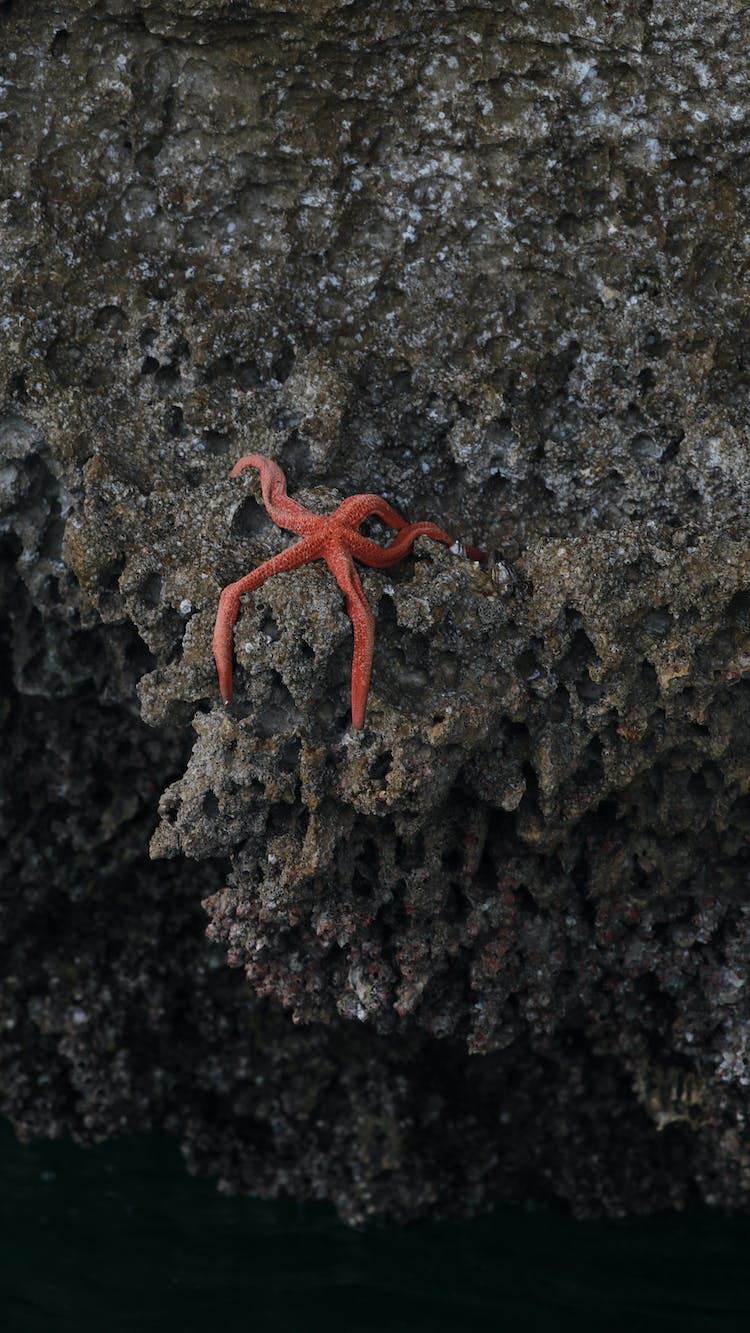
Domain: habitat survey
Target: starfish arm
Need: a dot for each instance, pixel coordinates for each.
(359, 507)
(285, 513)
(367, 552)
(229, 604)
(401, 545)
(363, 623)
(382, 557)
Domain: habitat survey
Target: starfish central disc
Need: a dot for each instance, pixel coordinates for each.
(338, 541)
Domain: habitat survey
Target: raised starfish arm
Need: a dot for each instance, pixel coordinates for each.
(286, 513)
(363, 623)
(359, 507)
(382, 557)
(229, 604)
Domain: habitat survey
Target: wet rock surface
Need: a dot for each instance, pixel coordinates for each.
(492, 265)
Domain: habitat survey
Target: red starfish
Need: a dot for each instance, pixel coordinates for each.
(336, 540)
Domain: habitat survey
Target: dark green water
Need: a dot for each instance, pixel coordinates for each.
(120, 1238)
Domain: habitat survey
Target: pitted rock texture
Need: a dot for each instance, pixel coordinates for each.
(490, 262)
(115, 1018)
(489, 871)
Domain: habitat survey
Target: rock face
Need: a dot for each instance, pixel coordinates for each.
(491, 263)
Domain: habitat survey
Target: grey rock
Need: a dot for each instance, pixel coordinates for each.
(491, 264)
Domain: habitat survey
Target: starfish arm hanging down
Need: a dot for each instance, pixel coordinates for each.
(286, 513)
(229, 604)
(363, 624)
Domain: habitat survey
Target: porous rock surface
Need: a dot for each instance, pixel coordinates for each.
(490, 262)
